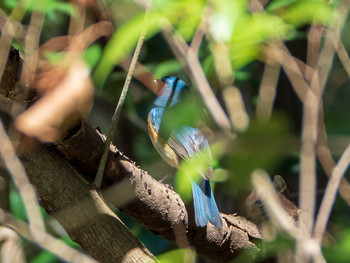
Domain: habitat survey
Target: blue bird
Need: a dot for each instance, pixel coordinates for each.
(183, 143)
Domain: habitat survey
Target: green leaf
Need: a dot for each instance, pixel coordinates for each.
(191, 169)
(123, 42)
(167, 68)
(220, 175)
(55, 57)
(187, 112)
(307, 12)
(17, 206)
(92, 55)
(183, 15)
(273, 5)
(45, 256)
(339, 251)
(44, 6)
(263, 146)
(253, 30)
(224, 19)
(175, 256)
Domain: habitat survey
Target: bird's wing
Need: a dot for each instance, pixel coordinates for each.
(188, 142)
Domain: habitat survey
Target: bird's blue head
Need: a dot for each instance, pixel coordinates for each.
(170, 90)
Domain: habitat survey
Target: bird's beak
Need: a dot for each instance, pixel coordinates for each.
(160, 86)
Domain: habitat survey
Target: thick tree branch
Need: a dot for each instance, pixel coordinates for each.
(151, 203)
(79, 208)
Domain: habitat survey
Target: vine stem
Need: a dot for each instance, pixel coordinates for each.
(117, 112)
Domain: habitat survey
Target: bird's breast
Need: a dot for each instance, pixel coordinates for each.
(162, 147)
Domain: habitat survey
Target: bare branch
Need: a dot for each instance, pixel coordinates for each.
(267, 91)
(184, 53)
(329, 196)
(325, 157)
(343, 55)
(308, 159)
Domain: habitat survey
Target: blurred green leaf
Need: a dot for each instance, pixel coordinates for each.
(92, 55)
(183, 15)
(253, 30)
(122, 43)
(307, 12)
(191, 169)
(188, 112)
(45, 6)
(173, 256)
(167, 68)
(225, 17)
(17, 206)
(339, 252)
(263, 146)
(220, 175)
(45, 257)
(55, 57)
(278, 4)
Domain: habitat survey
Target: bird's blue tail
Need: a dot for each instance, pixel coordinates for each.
(205, 207)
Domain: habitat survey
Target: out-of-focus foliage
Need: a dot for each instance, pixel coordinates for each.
(299, 12)
(48, 7)
(231, 23)
(123, 42)
(263, 145)
(339, 252)
(175, 256)
(272, 145)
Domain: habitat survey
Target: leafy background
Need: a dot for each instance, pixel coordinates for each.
(273, 145)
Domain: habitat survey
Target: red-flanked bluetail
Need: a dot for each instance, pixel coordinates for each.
(183, 143)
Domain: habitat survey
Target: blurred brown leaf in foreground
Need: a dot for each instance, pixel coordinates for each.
(67, 96)
(64, 84)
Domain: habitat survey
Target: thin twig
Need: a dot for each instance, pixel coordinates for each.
(46, 241)
(311, 110)
(313, 45)
(329, 196)
(325, 157)
(235, 106)
(31, 46)
(25, 188)
(183, 52)
(6, 33)
(342, 54)
(280, 53)
(201, 31)
(116, 115)
(267, 91)
(307, 183)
